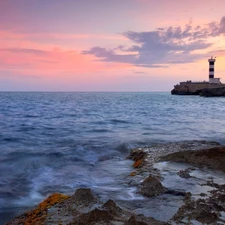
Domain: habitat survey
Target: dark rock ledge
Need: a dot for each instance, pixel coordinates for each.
(213, 158)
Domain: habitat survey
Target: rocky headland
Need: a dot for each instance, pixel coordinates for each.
(199, 88)
(184, 163)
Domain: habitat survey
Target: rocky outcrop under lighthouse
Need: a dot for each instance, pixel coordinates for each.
(196, 88)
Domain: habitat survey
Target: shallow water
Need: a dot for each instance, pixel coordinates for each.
(163, 207)
(196, 184)
(58, 142)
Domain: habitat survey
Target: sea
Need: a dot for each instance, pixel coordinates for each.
(59, 142)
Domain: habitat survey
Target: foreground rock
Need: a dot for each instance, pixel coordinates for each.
(203, 211)
(83, 208)
(213, 92)
(40, 213)
(151, 187)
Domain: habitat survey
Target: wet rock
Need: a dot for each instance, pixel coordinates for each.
(138, 155)
(83, 197)
(185, 173)
(200, 210)
(133, 221)
(142, 220)
(94, 217)
(222, 198)
(139, 163)
(133, 173)
(64, 210)
(187, 197)
(221, 187)
(111, 207)
(150, 155)
(39, 214)
(175, 192)
(151, 187)
(218, 197)
(203, 194)
(206, 217)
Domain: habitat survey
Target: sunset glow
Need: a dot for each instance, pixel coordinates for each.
(129, 45)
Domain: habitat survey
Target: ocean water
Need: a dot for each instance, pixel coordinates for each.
(58, 142)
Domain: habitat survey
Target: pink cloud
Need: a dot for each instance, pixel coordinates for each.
(58, 65)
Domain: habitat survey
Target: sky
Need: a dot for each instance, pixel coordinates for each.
(109, 45)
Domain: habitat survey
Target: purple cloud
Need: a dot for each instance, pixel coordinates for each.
(171, 45)
(110, 55)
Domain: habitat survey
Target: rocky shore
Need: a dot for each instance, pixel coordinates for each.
(188, 162)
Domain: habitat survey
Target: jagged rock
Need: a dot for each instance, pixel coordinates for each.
(83, 197)
(138, 155)
(222, 198)
(206, 217)
(187, 197)
(93, 217)
(142, 220)
(133, 221)
(39, 214)
(200, 210)
(83, 208)
(111, 207)
(151, 187)
(184, 173)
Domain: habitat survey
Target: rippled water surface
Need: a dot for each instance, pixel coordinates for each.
(62, 141)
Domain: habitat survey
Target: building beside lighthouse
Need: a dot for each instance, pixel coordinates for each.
(196, 87)
(212, 79)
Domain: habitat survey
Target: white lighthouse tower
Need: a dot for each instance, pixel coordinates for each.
(213, 80)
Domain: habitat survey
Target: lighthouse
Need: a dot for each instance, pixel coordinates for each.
(212, 61)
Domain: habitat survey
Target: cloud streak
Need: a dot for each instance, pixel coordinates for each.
(24, 50)
(163, 46)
